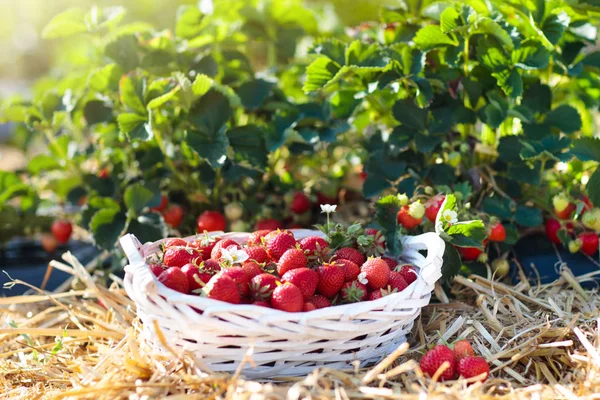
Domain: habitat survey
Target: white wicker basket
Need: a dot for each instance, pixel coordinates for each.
(284, 344)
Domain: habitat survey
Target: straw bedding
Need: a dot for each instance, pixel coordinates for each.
(542, 341)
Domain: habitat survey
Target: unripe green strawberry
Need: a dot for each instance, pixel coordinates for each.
(403, 199)
(233, 211)
(501, 267)
(239, 226)
(591, 219)
(416, 210)
(287, 297)
(435, 358)
(469, 367)
(574, 246)
(562, 207)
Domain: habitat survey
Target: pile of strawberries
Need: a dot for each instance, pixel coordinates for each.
(461, 359)
(275, 270)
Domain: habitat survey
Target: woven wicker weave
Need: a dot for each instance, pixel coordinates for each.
(284, 344)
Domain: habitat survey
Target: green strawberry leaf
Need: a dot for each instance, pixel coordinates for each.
(452, 263)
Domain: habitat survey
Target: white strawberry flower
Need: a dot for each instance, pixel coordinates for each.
(450, 216)
(362, 278)
(233, 255)
(328, 208)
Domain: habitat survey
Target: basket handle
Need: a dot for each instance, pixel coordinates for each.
(132, 248)
(435, 246)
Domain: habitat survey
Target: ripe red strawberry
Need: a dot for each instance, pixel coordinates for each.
(351, 270)
(469, 367)
(205, 244)
(175, 279)
(252, 268)
(378, 247)
(287, 297)
(211, 221)
(497, 233)
(61, 229)
(262, 303)
(331, 279)
(348, 253)
(179, 256)
(469, 253)
(390, 262)
(432, 207)
(300, 204)
(156, 269)
(216, 254)
(257, 253)
(173, 242)
(279, 243)
(433, 360)
(377, 273)
(210, 265)
(290, 260)
(408, 272)
(48, 242)
(308, 306)
(315, 247)
(268, 224)
(305, 279)
(375, 294)
(463, 348)
(396, 283)
(353, 292)
(163, 204)
(173, 215)
(552, 228)
(262, 286)
(192, 272)
(320, 301)
(255, 238)
(241, 279)
(224, 288)
(589, 243)
(406, 219)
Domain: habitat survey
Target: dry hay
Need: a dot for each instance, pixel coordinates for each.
(542, 342)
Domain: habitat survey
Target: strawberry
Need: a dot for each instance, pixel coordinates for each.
(210, 265)
(163, 204)
(262, 303)
(224, 288)
(563, 208)
(331, 279)
(375, 294)
(469, 367)
(268, 224)
(279, 243)
(378, 247)
(257, 253)
(252, 268)
(308, 306)
(353, 292)
(216, 254)
(255, 238)
(315, 247)
(291, 259)
(349, 253)
(156, 269)
(408, 272)
(192, 272)
(287, 297)
(61, 230)
(210, 221)
(179, 256)
(463, 348)
(300, 204)
(173, 242)
(205, 244)
(48, 242)
(233, 211)
(433, 360)
(552, 228)
(406, 219)
(376, 272)
(433, 205)
(469, 253)
(320, 301)
(238, 274)
(351, 270)
(175, 279)
(396, 283)
(262, 286)
(497, 233)
(390, 262)
(589, 243)
(305, 279)
(173, 215)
